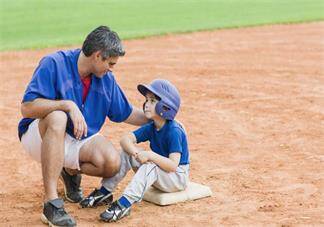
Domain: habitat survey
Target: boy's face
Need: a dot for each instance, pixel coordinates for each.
(149, 106)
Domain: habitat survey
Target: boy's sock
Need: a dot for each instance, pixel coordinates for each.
(104, 191)
(123, 201)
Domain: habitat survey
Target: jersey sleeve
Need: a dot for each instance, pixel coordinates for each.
(175, 141)
(42, 84)
(120, 108)
(143, 133)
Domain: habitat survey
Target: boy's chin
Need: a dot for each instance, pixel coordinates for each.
(148, 116)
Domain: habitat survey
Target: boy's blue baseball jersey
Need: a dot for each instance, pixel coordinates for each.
(57, 78)
(169, 139)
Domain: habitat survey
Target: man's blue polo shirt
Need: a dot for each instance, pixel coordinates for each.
(169, 139)
(57, 78)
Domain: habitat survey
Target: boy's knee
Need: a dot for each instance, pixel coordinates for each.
(148, 167)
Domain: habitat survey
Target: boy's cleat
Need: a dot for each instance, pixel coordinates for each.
(55, 215)
(72, 189)
(115, 212)
(96, 198)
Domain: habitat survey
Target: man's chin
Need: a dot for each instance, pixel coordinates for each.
(100, 75)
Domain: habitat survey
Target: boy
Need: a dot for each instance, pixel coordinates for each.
(166, 167)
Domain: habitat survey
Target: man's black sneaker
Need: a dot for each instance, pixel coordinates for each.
(115, 212)
(55, 215)
(96, 198)
(72, 189)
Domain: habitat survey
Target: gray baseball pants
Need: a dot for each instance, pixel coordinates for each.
(146, 175)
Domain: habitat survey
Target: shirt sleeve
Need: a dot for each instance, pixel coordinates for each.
(42, 84)
(143, 133)
(120, 108)
(175, 141)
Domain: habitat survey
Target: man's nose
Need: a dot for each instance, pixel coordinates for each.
(110, 68)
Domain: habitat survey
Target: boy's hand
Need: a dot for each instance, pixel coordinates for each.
(142, 157)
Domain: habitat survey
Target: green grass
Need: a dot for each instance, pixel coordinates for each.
(45, 23)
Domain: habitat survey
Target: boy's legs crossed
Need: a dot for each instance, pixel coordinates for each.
(151, 174)
(148, 174)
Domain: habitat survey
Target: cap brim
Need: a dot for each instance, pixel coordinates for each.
(143, 89)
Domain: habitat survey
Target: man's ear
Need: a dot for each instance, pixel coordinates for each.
(97, 55)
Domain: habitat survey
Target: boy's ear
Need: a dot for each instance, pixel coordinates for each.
(144, 105)
(165, 108)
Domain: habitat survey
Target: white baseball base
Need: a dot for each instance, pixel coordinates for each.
(194, 191)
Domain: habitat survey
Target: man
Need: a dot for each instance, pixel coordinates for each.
(64, 107)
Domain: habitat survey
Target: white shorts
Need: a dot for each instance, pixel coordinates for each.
(32, 141)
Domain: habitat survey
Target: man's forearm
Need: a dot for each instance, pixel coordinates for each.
(39, 108)
(137, 117)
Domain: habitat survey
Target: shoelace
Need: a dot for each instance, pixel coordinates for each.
(113, 206)
(95, 193)
(115, 210)
(61, 211)
(92, 196)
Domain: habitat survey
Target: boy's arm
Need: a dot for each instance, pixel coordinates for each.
(167, 164)
(128, 142)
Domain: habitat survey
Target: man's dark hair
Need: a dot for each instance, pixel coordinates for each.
(104, 40)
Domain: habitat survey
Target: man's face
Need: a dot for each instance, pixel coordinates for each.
(102, 66)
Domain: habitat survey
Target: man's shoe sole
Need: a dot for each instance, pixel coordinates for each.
(46, 221)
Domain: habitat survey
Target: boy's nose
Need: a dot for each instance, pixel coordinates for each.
(146, 106)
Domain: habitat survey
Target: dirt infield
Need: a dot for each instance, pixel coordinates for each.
(253, 106)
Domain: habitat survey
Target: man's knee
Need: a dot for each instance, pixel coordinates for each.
(102, 155)
(112, 163)
(54, 121)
